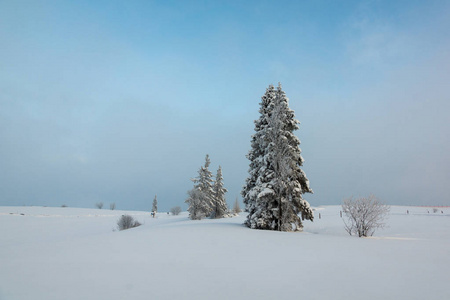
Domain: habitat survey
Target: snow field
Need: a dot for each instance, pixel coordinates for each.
(70, 253)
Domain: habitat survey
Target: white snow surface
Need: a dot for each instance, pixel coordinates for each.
(70, 253)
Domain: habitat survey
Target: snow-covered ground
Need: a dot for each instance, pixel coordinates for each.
(71, 253)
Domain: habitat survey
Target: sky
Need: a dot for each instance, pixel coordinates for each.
(119, 101)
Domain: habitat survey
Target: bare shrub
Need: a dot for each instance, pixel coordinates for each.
(63, 205)
(175, 210)
(364, 215)
(99, 205)
(126, 222)
(435, 210)
(112, 206)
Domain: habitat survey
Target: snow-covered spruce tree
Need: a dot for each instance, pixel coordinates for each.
(254, 184)
(203, 183)
(219, 204)
(198, 204)
(155, 205)
(275, 200)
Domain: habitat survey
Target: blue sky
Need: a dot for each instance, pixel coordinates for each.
(117, 101)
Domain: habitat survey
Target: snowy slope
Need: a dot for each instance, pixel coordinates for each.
(69, 253)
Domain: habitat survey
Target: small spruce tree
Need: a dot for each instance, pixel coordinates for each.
(155, 205)
(219, 204)
(236, 207)
(202, 192)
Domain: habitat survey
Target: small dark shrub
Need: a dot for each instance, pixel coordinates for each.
(127, 222)
(175, 210)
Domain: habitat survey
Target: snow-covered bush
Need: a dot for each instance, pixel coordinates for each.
(364, 215)
(198, 204)
(126, 222)
(175, 210)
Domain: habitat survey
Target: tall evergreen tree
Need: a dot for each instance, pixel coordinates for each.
(155, 205)
(203, 184)
(259, 143)
(220, 208)
(273, 194)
